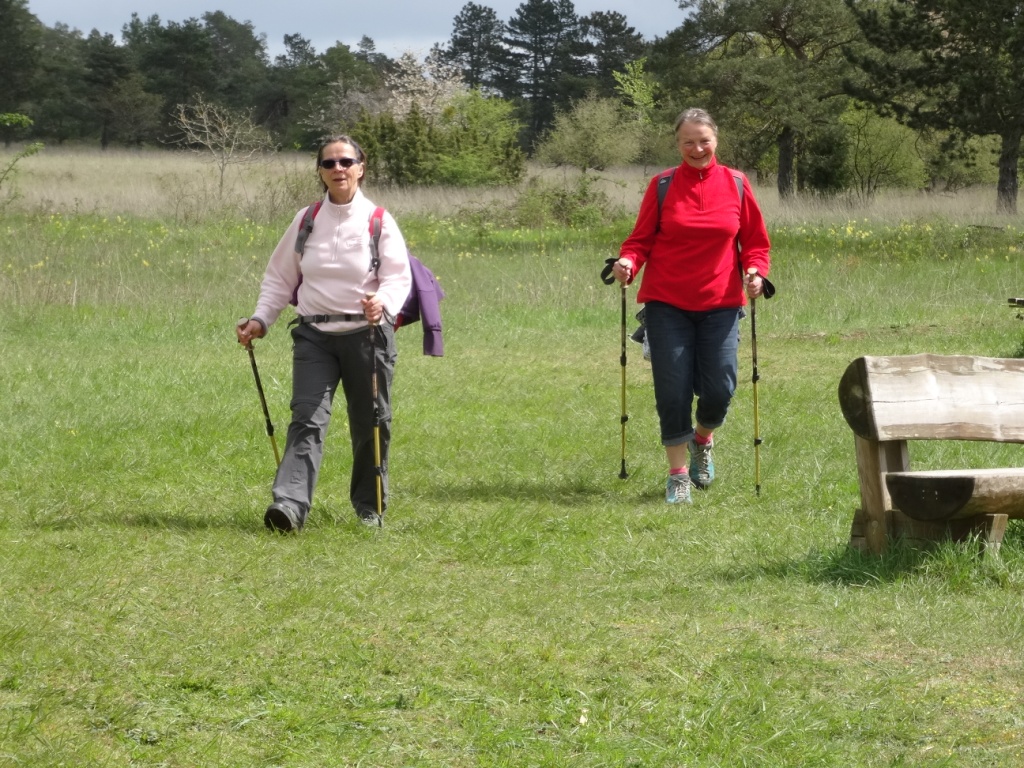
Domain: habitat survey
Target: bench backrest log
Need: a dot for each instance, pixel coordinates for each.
(934, 397)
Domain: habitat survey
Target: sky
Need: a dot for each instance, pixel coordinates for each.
(395, 26)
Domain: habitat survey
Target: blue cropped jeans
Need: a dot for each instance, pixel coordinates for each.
(693, 354)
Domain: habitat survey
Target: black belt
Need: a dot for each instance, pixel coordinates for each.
(306, 319)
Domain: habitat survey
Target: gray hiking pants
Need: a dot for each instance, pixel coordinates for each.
(321, 362)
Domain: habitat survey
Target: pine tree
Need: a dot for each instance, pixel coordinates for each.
(546, 60)
(476, 46)
(20, 33)
(950, 65)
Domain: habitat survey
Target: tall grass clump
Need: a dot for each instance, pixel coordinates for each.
(522, 604)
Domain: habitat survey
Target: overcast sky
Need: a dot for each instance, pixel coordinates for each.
(395, 25)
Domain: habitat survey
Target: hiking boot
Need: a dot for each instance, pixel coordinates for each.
(677, 489)
(370, 518)
(281, 518)
(702, 468)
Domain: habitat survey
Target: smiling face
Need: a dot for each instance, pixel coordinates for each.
(341, 182)
(697, 143)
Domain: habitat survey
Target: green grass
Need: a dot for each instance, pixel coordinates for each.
(523, 606)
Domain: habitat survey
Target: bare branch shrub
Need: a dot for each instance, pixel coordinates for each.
(228, 137)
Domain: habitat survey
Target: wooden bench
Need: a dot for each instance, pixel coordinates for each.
(890, 400)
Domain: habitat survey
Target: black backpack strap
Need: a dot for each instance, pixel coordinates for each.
(306, 227)
(664, 181)
(768, 289)
(738, 178)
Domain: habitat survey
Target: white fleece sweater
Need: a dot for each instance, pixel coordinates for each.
(335, 266)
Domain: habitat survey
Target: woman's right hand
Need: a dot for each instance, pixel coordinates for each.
(622, 270)
(248, 330)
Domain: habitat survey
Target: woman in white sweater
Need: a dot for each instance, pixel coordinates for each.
(345, 307)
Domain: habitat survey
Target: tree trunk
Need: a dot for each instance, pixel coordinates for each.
(787, 159)
(1006, 187)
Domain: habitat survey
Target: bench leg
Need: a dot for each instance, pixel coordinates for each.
(866, 534)
(874, 459)
(991, 529)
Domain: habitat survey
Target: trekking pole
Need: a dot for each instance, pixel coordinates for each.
(768, 290)
(377, 463)
(608, 279)
(622, 362)
(263, 402)
(756, 376)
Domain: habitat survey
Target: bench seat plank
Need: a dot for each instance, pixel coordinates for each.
(949, 494)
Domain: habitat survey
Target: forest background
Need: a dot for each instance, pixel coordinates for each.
(824, 97)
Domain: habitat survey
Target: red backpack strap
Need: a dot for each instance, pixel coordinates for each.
(376, 223)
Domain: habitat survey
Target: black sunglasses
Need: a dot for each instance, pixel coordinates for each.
(344, 162)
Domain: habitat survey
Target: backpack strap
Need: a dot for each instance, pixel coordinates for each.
(306, 227)
(769, 289)
(664, 180)
(738, 178)
(376, 222)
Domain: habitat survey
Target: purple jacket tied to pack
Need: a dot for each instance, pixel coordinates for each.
(424, 303)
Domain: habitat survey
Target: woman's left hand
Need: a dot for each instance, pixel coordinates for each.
(373, 308)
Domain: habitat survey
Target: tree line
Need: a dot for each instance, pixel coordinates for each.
(824, 96)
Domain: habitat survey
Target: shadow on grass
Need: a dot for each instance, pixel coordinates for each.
(954, 562)
(563, 493)
(845, 565)
(187, 523)
(163, 521)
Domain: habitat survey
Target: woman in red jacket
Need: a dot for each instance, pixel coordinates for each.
(705, 252)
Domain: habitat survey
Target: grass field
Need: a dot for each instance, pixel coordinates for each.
(523, 606)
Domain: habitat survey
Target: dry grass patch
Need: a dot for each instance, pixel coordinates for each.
(182, 186)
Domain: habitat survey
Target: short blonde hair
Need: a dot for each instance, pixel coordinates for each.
(695, 115)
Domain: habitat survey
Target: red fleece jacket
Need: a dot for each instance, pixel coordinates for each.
(691, 257)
